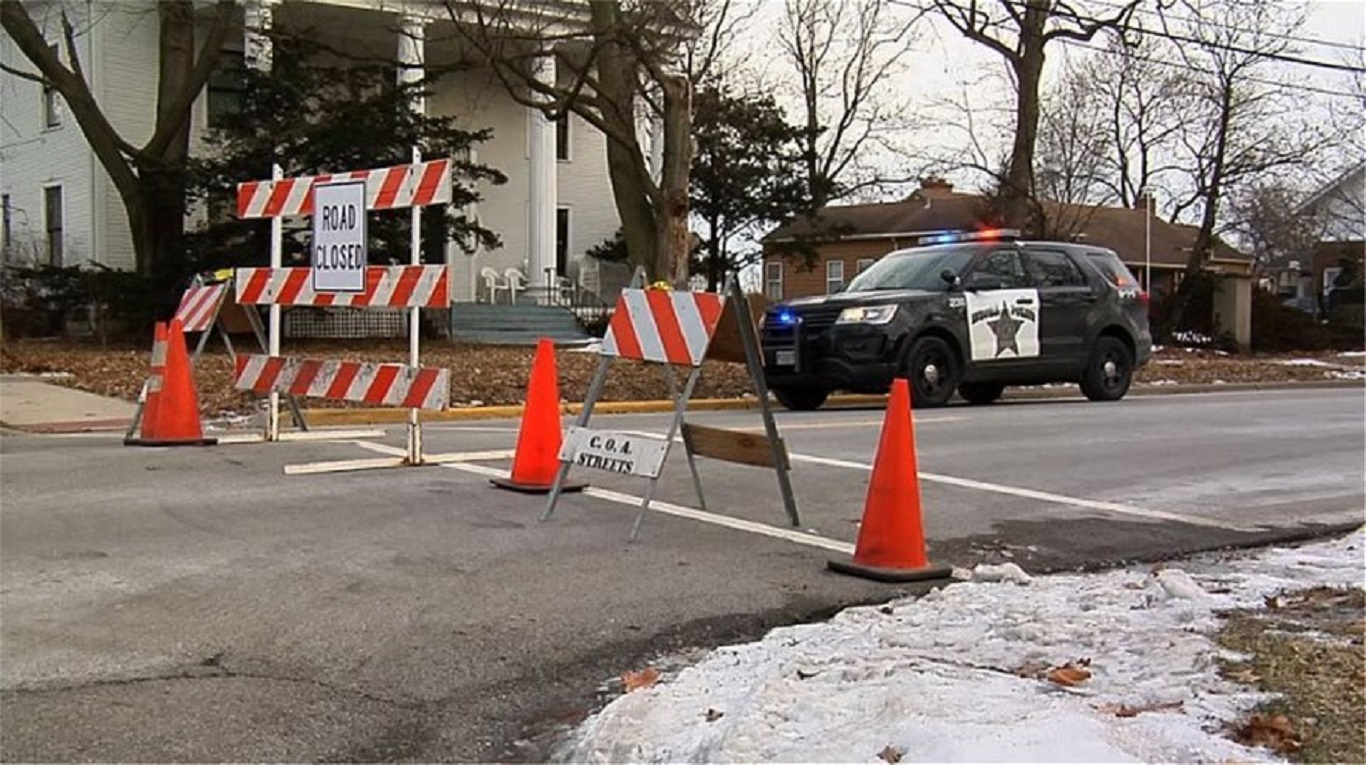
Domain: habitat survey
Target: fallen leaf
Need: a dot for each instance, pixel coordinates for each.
(806, 675)
(1275, 732)
(890, 754)
(640, 679)
(713, 715)
(1124, 710)
(1068, 675)
(1244, 675)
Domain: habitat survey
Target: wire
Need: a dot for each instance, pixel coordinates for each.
(1282, 57)
(1232, 28)
(1189, 68)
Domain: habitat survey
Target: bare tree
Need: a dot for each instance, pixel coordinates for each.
(1267, 216)
(1020, 31)
(843, 57)
(1145, 101)
(1072, 149)
(620, 57)
(149, 177)
(1243, 126)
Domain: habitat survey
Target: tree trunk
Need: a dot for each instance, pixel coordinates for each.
(1017, 193)
(675, 243)
(1204, 238)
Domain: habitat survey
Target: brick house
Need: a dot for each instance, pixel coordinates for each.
(852, 237)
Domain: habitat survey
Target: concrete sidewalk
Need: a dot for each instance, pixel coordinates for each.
(34, 405)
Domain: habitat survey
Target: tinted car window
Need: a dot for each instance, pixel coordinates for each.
(912, 270)
(1052, 268)
(1006, 265)
(1112, 268)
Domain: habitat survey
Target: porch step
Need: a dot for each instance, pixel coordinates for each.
(514, 324)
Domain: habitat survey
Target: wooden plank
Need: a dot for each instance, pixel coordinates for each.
(726, 343)
(732, 445)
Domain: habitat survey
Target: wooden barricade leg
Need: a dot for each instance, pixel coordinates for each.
(594, 391)
(680, 406)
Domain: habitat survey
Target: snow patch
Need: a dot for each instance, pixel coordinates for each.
(943, 677)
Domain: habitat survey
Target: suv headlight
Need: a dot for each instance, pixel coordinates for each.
(877, 314)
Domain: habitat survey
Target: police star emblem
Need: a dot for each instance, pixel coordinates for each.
(1005, 327)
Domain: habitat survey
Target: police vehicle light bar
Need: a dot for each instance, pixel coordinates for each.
(989, 235)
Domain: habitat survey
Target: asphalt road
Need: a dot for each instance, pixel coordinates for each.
(199, 604)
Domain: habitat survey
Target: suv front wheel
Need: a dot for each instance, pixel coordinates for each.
(1109, 371)
(801, 399)
(931, 366)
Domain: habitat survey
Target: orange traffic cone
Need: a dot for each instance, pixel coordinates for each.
(891, 539)
(537, 459)
(151, 389)
(174, 419)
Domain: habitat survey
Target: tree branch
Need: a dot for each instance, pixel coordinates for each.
(172, 119)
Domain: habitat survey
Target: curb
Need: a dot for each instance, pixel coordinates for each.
(359, 416)
(113, 425)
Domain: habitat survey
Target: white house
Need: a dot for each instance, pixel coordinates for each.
(61, 207)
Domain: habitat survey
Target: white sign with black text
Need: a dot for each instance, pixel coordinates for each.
(339, 243)
(628, 454)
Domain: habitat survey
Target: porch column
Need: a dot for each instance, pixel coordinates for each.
(412, 57)
(543, 195)
(258, 18)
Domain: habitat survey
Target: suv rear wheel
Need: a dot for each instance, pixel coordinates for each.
(931, 366)
(980, 393)
(1109, 371)
(801, 399)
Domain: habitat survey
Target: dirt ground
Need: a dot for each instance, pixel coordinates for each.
(488, 375)
(1306, 647)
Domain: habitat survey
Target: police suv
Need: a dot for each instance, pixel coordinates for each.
(968, 313)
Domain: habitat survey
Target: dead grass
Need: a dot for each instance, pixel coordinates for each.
(1306, 647)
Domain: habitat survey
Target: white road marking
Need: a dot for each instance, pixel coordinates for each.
(1043, 496)
(668, 508)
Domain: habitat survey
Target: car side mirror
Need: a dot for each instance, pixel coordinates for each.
(981, 282)
(951, 279)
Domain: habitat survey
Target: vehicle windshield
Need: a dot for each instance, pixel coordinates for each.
(916, 269)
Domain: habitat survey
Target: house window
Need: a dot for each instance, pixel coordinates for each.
(562, 137)
(52, 101)
(226, 87)
(863, 264)
(52, 219)
(834, 276)
(562, 241)
(773, 280)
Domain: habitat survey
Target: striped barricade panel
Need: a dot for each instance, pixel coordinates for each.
(199, 306)
(378, 384)
(663, 327)
(388, 188)
(385, 287)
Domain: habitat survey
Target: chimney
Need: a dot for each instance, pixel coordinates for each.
(934, 186)
(1144, 200)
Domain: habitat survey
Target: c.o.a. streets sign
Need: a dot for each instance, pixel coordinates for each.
(625, 453)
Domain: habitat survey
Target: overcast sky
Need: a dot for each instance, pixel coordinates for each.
(944, 66)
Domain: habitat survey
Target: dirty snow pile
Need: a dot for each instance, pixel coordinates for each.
(961, 674)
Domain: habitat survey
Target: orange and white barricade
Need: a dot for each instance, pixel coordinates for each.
(414, 286)
(672, 329)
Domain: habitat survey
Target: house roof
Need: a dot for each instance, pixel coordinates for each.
(1118, 228)
(1330, 187)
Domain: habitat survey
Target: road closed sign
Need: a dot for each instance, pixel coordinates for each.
(339, 244)
(625, 453)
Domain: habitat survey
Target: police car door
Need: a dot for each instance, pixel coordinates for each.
(1066, 301)
(1002, 312)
